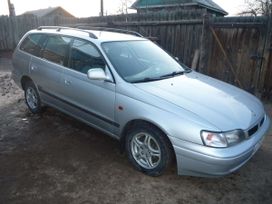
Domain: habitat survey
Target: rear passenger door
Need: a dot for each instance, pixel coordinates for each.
(48, 68)
(30, 50)
(90, 100)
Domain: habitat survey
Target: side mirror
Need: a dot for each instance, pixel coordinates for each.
(176, 58)
(97, 74)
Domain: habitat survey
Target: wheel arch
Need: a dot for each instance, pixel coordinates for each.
(24, 81)
(133, 123)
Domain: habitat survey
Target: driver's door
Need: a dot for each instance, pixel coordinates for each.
(90, 100)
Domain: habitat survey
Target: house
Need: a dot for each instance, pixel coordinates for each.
(157, 5)
(49, 12)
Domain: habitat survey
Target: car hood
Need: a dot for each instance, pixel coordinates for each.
(221, 104)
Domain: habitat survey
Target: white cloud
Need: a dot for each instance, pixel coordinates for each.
(233, 7)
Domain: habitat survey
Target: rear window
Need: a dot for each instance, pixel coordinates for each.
(32, 44)
(56, 49)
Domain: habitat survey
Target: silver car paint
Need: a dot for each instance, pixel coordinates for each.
(198, 160)
(181, 107)
(190, 92)
(82, 92)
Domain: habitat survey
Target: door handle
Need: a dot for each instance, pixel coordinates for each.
(67, 82)
(33, 67)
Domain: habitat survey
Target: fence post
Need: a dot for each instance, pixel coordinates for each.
(264, 67)
(14, 30)
(204, 44)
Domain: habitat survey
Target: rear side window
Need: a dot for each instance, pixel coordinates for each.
(32, 44)
(85, 56)
(56, 49)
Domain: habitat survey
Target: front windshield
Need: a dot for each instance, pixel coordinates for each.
(139, 61)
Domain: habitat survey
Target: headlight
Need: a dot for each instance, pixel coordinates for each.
(222, 139)
(213, 139)
(234, 137)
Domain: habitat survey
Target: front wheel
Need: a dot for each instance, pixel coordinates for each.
(148, 149)
(32, 98)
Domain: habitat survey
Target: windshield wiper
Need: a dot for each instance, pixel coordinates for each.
(147, 79)
(175, 73)
(172, 74)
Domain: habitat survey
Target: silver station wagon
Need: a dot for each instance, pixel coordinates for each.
(131, 89)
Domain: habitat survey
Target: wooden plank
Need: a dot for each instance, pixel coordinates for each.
(238, 25)
(266, 56)
(157, 23)
(195, 60)
(227, 58)
(204, 46)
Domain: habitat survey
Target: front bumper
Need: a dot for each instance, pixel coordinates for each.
(198, 160)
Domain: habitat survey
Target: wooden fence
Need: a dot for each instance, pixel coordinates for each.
(236, 50)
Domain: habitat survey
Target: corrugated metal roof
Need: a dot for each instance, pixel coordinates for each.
(159, 3)
(211, 5)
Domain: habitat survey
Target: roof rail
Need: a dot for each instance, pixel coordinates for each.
(59, 28)
(116, 30)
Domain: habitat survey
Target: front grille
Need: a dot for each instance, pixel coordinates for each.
(262, 121)
(255, 128)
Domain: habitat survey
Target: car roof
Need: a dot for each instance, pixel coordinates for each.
(90, 34)
(113, 36)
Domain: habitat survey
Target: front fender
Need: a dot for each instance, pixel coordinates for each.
(180, 124)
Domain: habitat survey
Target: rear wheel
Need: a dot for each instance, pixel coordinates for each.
(32, 98)
(148, 149)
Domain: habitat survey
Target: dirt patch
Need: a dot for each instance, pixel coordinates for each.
(9, 91)
(52, 158)
(6, 54)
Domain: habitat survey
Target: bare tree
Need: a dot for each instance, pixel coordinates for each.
(124, 6)
(257, 7)
(11, 8)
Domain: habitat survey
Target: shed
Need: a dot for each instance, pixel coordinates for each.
(157, 5)
(49, 12)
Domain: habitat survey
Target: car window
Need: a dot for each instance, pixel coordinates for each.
(56, 49)
(85, 56)
(141, 60)
(32, 44)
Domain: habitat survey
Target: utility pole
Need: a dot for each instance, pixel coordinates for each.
(11, 9)
(101, 8)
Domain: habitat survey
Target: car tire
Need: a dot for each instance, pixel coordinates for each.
(148, 149)
(32, 98)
